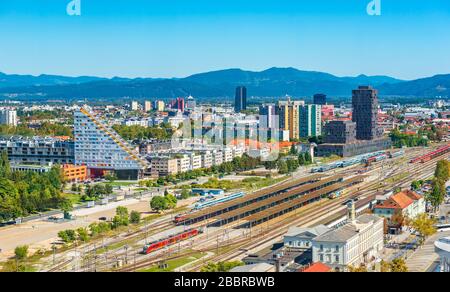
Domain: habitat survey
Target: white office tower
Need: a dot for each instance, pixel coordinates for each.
(102, 150)
(8, 117)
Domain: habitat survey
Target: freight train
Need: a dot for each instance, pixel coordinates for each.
(429, 156)
(354, 161)
(171, 240)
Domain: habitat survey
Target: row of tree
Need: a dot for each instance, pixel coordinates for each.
(400, 140)
(45, 129)
(25, 193)
(441, 176)
(122, 218)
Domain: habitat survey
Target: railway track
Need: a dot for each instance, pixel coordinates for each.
(306, 216)
(280, 229)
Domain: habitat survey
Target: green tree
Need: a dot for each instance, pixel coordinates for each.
(301, 159)
(424, 225)
(9, 201)
(171, 201)
(83, 234)
(185, 194)
(283, 167)
(135, 217)
(21, 252)
(308, 158)
(442, 170)
(67, 236)
(5, 168)
(158, 204)
(437, 195)
(416, 185)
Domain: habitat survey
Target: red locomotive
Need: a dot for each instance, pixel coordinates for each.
(179, 219)
(157, 245)
(439, 152)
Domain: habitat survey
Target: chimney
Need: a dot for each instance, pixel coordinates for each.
(351, 211)
(278, 266)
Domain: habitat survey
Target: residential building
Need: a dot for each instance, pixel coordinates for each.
(38, 150)
(183, 163)
(340, 132)
(327, 112)
(207, 159)
(408, 202)
(240, 100)
(148, 106)
(179, 104)
(164, 165)
(160, 106)
(267, 116)
(227, 154)
(294, 119)
(102, 150)
(365, 111)
(282, 111)
(8, 117)
(134, 106)
(217, 157)
(339, 137)
(310, 121)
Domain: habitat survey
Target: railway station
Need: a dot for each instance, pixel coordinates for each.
(301, 200)
(269, 198)
(246, 200)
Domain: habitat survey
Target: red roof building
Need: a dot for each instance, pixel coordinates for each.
(408, 202)
(317, 268)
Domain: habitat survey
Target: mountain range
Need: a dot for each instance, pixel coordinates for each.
(274, 82)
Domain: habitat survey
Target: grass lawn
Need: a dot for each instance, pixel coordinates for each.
(121, 184)
(175, 263)
(75, 199)
(397, 177)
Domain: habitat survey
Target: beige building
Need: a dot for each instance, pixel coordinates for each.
(148, 106)
(164, 166)
(160, 105)
(354, 244)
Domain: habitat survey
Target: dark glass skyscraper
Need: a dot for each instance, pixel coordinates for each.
(240, 100)
(365, 112)
(320, 99)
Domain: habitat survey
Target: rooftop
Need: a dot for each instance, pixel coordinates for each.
(317, 268)
(400, 200)
(255, 268)
(348, 231)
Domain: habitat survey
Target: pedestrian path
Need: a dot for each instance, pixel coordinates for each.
(424, 257)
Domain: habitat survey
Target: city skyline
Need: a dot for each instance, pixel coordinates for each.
(151, 39)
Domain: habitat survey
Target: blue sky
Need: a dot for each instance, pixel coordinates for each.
(176, 38)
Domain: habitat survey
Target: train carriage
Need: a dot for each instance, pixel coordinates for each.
(154, 246)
